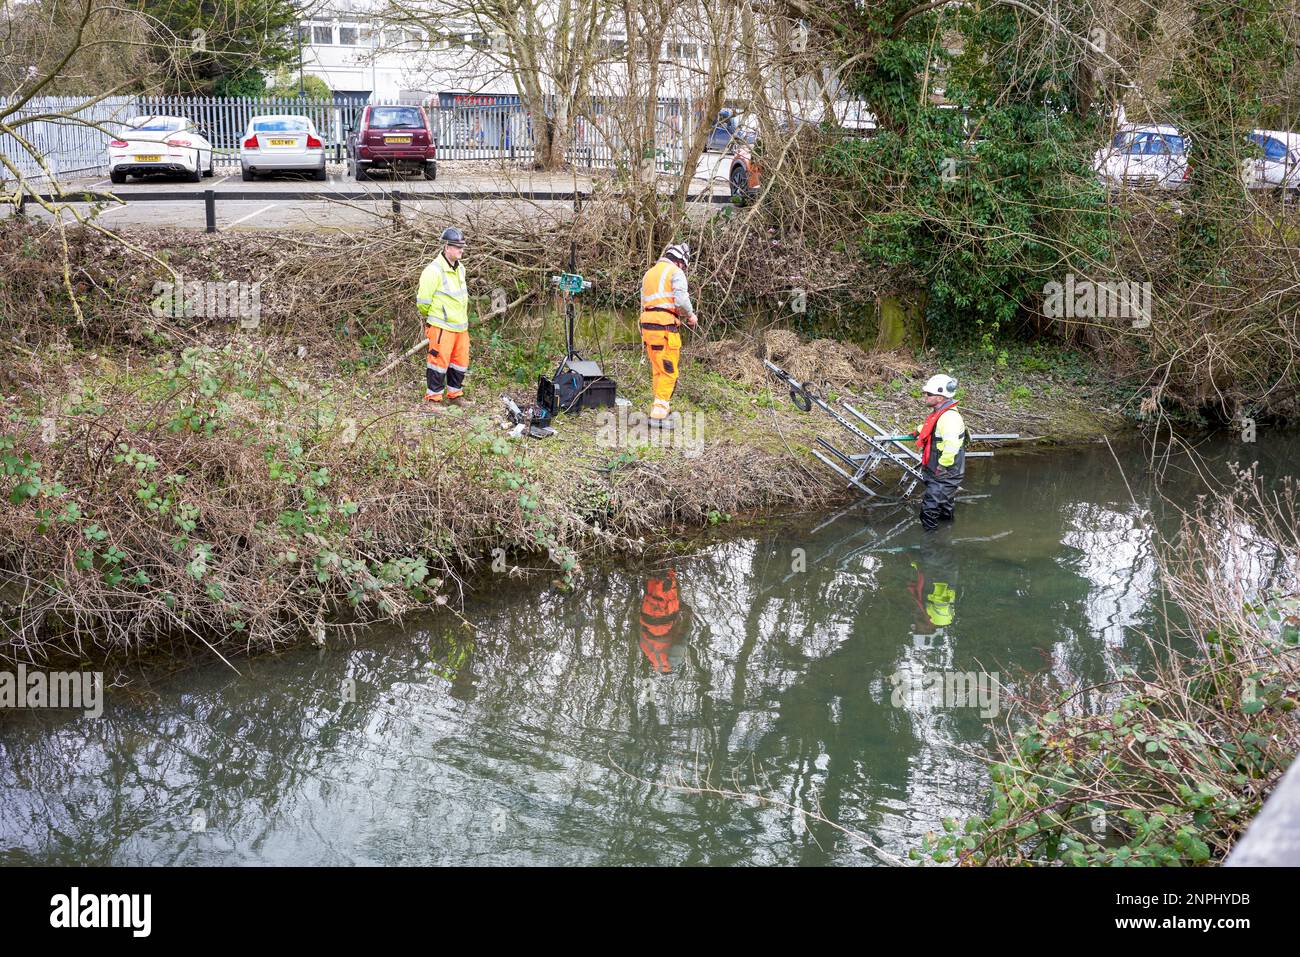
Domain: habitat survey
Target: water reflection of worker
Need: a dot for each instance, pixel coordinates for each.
(663, 621)
(934, 587)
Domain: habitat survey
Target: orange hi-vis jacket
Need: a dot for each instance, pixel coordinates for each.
(657, 289)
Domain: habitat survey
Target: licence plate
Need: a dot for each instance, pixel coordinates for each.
(397, 139)
(151, 158)
(284, 142)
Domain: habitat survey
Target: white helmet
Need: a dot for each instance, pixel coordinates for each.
(941, 384)
(680, 252)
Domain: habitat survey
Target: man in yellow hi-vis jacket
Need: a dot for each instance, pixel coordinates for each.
(665, 303)
(443, 300)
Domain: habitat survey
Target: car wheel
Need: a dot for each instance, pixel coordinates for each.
(739, 181)
(248, 175)
(320, 175)
(209, 172)
(197, 175)
(116, 176)
(430, 170)
(362, 175)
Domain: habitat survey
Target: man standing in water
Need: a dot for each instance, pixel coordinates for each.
(941, 440)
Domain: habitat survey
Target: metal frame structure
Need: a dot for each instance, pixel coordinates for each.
(859, 469)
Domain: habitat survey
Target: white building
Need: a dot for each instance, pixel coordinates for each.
(347, 48)
(344, 45)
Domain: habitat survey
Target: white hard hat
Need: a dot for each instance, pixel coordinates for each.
(940, 384)
(679, 251)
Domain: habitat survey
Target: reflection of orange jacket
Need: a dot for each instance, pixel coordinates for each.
(661, 613)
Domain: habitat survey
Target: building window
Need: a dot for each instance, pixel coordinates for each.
(348, 36)
(304, 33)
(322, 36)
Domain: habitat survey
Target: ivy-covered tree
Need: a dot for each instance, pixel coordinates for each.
(978, 181)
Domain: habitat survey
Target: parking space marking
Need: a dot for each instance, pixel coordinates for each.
(250, 215)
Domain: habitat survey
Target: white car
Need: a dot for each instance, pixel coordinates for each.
(1277, 165)
(159, 144)
(1154, 156)
(281, 143)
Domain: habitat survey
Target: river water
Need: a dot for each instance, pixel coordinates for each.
(836, 677)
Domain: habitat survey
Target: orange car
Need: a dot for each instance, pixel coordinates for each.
(746, 169)
(744, 175)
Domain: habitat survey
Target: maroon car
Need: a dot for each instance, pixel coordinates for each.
(398, 138)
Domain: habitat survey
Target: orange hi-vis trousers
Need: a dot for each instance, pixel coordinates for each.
(446, 364)
(663, 347)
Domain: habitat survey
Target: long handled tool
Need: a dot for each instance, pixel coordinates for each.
(422, 344)
(423, 341)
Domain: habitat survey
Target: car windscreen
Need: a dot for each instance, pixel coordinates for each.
(1137, 144)
(284, 124)
(1273, 149)
(157, 124)
(396, 118)
(1174, 144)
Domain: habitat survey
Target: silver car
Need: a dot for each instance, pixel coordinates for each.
(273, 144)
(1153, 156)
(1276, 163)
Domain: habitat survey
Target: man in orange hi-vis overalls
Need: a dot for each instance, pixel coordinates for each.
(661, 618)
(665, 304)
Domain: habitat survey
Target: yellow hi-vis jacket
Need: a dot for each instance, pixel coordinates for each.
(443, 295)
(948, 432)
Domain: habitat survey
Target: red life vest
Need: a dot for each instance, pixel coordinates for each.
(925, 438)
